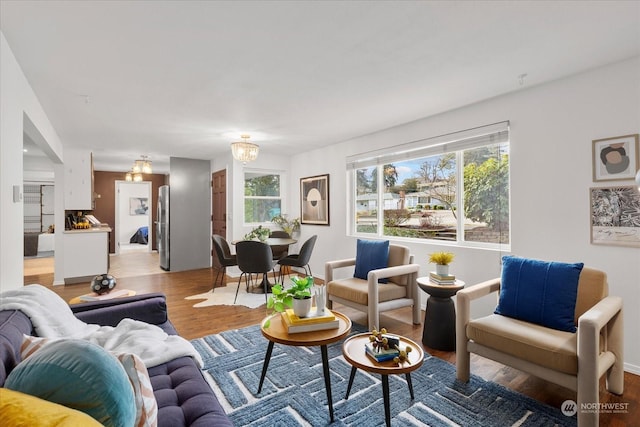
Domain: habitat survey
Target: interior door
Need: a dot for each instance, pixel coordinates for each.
(219, 206)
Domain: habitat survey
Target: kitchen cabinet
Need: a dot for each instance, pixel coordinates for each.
(78, 180)
(86, 254)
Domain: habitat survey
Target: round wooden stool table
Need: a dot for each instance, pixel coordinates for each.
(354, 353)
(277, 333)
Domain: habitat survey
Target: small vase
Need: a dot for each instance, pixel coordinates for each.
(302, 307)
(442, 270)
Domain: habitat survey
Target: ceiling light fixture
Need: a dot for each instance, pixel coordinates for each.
(142, 166)
(244, 151)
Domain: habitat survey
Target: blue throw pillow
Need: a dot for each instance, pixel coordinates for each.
(78, 375)
(539, 292)
(371, 255)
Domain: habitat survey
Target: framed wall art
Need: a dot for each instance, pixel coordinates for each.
(138, 206)
(314, 200)
(615, 158)
(615, 216)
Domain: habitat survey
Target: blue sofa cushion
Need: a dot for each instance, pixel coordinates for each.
(371, 255)
(79, 375)
(539, 292)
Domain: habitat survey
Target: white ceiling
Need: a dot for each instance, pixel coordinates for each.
(185, 78)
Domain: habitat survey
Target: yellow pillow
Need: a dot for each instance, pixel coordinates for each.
(22, 410)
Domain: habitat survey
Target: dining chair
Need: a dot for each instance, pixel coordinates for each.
(300, 260)
(279, 251)
(254, 258)
(225, 257)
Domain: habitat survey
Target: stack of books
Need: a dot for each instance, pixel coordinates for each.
(313, 322)
(380, 355)
(439, 279)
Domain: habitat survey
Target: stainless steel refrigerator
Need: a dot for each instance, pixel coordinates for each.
(162, 227)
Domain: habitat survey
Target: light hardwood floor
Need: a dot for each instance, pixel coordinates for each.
(140, 272)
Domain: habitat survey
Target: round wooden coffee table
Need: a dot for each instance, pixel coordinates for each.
(353, 351)
(277, 333)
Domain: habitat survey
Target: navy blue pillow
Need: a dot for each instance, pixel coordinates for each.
(539, 292)
(371, 255)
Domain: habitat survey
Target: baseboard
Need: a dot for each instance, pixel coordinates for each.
(633, 369)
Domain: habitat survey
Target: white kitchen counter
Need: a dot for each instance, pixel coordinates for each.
(86, 254)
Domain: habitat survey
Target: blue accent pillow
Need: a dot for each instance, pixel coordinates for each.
(78, 375)
(371, 255)
(539, 292)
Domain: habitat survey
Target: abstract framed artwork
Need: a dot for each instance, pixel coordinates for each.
(615, 158)
(615, 216)
(314, 200)
(138, 206)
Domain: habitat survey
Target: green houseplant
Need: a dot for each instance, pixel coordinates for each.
(287, 225)
(260, 232)
(281, 299)
(441, 260)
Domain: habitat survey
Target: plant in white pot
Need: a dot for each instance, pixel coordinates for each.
(442, 261)
(297, 297)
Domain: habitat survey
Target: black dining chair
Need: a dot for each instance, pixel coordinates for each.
(300, 259)
(225, 257)
(279, 251)
(254, 258)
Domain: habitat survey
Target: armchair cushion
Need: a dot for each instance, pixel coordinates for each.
(371, 255)
(539, 292)
(356, 290)
(537, 344)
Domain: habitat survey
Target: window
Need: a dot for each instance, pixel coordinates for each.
(451, 188)
(262, 196)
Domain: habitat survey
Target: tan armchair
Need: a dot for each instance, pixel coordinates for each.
(572, 360)
(372, 297)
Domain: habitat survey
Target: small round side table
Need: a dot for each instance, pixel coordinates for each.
(440, 317)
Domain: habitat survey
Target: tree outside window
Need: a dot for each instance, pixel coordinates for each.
(262, 197)
(421, 197)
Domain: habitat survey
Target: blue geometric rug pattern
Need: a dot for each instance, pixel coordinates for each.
(294, 393)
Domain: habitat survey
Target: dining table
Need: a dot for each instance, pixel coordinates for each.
(271, 241)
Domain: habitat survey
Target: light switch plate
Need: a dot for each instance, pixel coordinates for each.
(17, 195)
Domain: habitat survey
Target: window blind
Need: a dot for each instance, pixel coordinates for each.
(463, 140)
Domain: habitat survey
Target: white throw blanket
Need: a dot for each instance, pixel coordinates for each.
(52, 318)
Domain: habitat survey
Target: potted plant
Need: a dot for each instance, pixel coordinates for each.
(261, 233)
(442, 261)
(298, 297)
(287, 225)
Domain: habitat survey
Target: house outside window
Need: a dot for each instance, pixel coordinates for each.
(453, 188)
(262, 196)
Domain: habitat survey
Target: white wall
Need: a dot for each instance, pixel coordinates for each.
(552, 126)
(20, 111)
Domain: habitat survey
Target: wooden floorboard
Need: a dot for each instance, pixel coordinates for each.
(140, 272)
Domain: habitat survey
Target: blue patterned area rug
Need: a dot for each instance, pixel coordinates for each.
(294, 393)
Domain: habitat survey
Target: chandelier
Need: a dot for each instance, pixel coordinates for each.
(142, 166)
(133, 176)
(244, 151)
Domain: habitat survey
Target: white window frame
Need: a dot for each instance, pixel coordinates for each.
(456, 143)
(281, 197)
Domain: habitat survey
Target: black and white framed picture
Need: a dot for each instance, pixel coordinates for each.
(314, 200)
(615, 216)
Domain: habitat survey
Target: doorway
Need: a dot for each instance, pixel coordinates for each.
(218, 206)
(133, 217)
